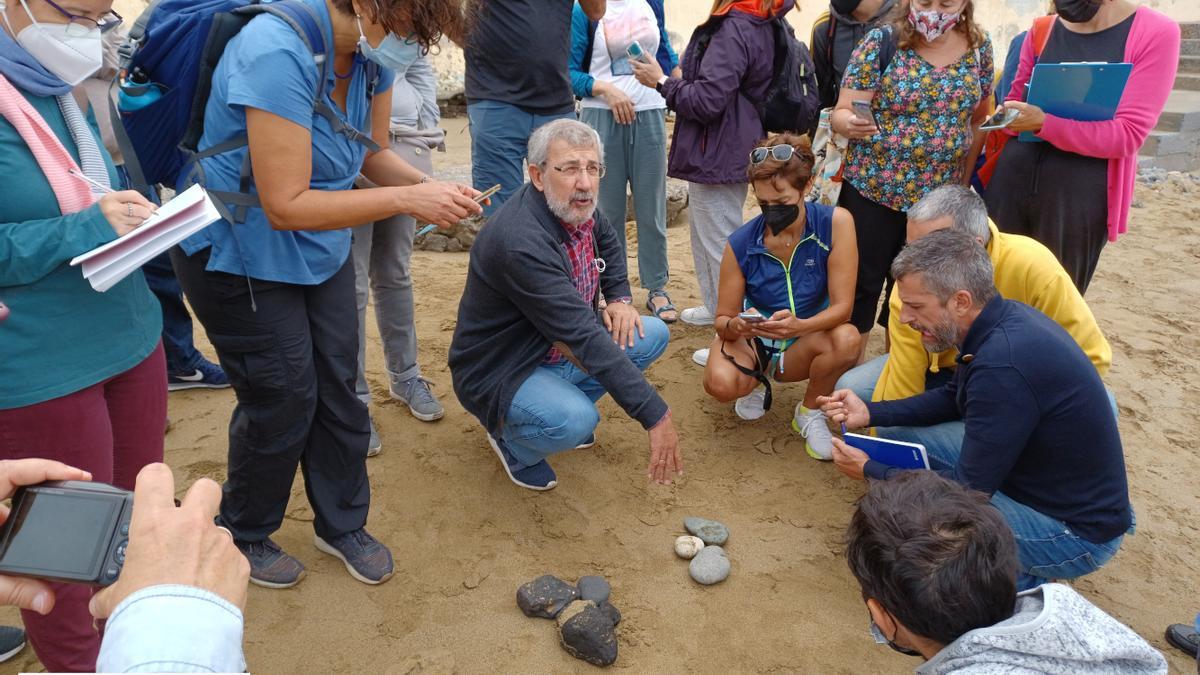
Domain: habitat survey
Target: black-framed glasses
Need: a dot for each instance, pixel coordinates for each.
(780, 153)
(79, 25)
(593, 170)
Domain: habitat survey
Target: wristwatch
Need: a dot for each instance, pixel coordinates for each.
(659, 85)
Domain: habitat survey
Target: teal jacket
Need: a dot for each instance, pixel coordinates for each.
(61, 336)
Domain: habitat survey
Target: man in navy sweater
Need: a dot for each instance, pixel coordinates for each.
(1040, 438)
(533, 351)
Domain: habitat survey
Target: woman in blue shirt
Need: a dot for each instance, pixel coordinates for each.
(795, 266)
(275, 292)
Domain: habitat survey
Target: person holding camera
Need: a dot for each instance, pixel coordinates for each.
(178, 602)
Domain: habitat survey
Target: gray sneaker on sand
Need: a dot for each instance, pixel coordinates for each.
(416, 394)
(270, 567)
(365, 558)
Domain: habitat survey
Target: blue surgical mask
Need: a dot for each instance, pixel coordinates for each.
(393, 53)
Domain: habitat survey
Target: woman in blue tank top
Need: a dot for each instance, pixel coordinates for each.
(795, 266)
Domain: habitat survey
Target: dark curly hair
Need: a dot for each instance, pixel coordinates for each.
(429, 18)
(797, 171)
(907, 36)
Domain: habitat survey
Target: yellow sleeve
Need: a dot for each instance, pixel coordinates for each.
(904, 373)
(1053, 293)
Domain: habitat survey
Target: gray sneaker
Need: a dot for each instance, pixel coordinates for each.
(270, 567)
(375, 445)
(12, 641)
(416, 394)
(365, 558)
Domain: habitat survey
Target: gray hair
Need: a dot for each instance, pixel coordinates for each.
(965, 208)
(949, 261)
(575, 133)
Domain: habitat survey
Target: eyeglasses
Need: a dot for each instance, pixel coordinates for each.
(82, 25)
(781, 153)
(574, 170)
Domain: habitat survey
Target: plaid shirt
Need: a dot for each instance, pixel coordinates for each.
(584, 273)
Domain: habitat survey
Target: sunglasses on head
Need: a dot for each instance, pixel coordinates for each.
(780, 153)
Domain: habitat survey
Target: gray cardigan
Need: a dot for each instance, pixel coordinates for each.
(519, 300)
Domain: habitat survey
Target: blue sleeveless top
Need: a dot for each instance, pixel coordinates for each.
(800, 284)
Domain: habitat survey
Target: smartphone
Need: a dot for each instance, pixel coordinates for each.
(752, 317)
(1002, 118)
(862, 109)
(487, 193)
(635, 51)
(69, 531)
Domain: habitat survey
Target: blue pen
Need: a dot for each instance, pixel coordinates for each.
(425, 230)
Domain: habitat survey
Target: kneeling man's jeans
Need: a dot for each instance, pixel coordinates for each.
(1048, 549)
(555, 408)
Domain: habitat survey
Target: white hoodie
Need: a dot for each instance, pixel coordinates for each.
(1052, 630)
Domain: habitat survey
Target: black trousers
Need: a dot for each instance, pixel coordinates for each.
(292, 364)
(1059, 198)
(880, 233)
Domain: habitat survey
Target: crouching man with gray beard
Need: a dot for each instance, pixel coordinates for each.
(545, 326)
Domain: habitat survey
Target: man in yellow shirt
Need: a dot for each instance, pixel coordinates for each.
(1025, 271)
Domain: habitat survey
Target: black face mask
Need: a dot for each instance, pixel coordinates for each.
(1077, 11)
(779, 216)
(880, 638)
(844, 7)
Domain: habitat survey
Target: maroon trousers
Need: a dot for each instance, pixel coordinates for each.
(111, 429)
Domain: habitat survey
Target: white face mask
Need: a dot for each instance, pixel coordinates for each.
(71, 57)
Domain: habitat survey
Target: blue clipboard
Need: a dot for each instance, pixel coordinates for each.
(1086, 92)
(893, 453)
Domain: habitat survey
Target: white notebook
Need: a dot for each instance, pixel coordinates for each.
(189, 212)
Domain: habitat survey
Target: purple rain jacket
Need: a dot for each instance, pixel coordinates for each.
(716, 123)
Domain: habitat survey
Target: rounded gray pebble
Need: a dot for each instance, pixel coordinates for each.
(593, 588)
(710, 531)
(710, 566)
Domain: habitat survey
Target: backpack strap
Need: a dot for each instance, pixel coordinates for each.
(586, 66)
(1040, 33)
(830, 29)
(133, 40)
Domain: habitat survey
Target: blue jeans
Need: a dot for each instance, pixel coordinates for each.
(499, 141)
(555, 407)
(1047, 548)
(182, 356)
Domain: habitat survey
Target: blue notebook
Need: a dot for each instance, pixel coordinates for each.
(893, 453)
(1087, 92)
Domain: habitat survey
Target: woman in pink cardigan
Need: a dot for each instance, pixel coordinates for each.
(1054, 191)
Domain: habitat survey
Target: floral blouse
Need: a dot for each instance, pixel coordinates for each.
(924, 116)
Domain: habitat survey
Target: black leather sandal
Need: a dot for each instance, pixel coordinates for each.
(657, 311)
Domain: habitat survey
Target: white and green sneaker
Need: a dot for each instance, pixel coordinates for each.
(818, 440)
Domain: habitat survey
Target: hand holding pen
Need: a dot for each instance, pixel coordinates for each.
(124, 210)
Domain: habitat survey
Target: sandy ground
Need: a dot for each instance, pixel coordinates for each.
(464, 537)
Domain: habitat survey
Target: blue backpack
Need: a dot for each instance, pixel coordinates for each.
(176, 44)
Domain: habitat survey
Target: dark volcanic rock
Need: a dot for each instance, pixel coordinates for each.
(545, 596)
(587, 633)
(613, 613)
